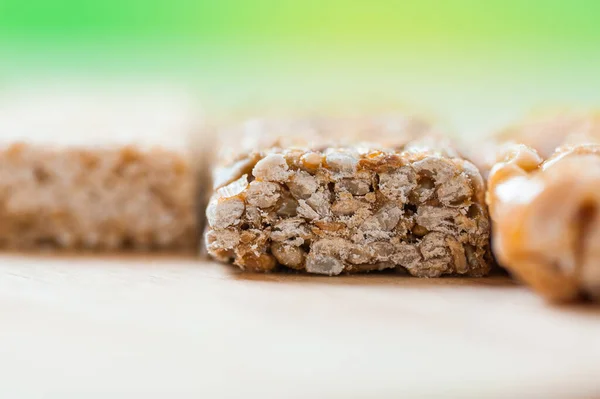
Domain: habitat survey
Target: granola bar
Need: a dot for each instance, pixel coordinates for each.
(306, 200)
(96, 170)
(546, 225)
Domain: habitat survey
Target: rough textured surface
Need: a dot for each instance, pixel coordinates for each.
(333, 209)
(546, 219)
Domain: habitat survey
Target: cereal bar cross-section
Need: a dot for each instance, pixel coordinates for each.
(313, 195)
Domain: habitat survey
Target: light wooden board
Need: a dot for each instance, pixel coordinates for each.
(168, 327)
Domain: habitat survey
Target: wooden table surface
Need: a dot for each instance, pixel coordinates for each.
(171, 327)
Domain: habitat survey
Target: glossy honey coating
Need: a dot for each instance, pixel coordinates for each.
(546, 224)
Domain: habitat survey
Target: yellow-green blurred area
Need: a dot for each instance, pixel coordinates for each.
(310, 22)
(477, 63)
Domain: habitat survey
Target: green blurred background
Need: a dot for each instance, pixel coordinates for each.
(476, 63)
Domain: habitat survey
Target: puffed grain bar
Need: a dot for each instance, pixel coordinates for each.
(331, 209)
(101, 171)
(546, 224)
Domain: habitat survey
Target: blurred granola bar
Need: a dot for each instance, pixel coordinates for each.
(100, 169)
(544, 205)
